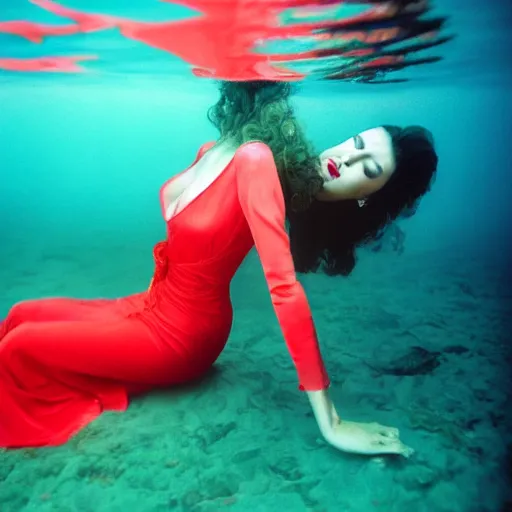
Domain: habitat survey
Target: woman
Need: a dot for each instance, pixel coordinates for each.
(64, 361)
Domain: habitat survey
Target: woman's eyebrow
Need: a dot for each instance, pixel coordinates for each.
(358, 141)
(359, 144)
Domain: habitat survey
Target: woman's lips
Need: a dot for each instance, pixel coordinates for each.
(333, 169)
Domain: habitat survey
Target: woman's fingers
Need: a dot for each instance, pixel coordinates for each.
(386, 444)
(385, 431)
(390, 432)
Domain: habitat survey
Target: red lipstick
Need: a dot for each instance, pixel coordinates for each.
(333, 169)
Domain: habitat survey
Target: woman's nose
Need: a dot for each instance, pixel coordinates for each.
(353, 157)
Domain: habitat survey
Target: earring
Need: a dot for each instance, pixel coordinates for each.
(361, 202)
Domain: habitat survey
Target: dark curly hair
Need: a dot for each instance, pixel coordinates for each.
(320, 240)
(323, 235)
(261, 111)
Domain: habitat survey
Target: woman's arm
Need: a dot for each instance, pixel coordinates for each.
(324, 411)
(261, 199)
(262, 202)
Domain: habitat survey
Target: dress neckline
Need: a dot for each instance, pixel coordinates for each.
(190, 203)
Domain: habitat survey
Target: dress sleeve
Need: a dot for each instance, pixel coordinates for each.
(262, 202)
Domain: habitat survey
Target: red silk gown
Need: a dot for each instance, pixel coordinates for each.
(64, 361)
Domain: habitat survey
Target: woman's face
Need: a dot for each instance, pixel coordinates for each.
(358, 167)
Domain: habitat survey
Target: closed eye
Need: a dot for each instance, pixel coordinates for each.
(372, 173)
(368, 172)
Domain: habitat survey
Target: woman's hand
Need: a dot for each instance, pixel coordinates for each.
(366, 438)
(349, 436)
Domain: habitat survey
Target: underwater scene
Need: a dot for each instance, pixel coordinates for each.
(255, 256)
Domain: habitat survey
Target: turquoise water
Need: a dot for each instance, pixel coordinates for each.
(82, 160)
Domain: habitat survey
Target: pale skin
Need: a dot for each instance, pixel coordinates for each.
(354, 169)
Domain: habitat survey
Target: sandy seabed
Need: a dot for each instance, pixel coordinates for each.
(244, 438)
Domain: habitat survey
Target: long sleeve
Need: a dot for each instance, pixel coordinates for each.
(262, 202)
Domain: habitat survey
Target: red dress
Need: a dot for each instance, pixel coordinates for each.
(64, 361)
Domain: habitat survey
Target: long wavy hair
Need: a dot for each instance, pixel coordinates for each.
(261, 111)
(324, 236)
(327, 235)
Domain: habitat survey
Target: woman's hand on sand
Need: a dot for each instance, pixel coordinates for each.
(366, 439)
